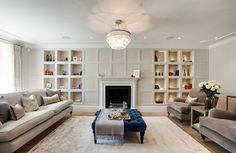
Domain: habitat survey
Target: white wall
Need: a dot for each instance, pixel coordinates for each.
(222, 67)
(120, 64)
(33, 69)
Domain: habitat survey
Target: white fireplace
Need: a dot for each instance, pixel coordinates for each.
(111, 81)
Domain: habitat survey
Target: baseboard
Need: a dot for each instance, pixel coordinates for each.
(151, 109)
(88, 108)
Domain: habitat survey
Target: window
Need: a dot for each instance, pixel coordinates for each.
(6, 68)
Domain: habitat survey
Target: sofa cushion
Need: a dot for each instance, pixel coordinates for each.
(4, 110)
(29, 103)
(13, 98)
(180, 107)
(51, 93)
(57, 107)
(17, 112)
(38, 94)
(226, 128)
(13, 129)
(1, 125)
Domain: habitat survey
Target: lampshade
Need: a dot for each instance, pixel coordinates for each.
(118, 38)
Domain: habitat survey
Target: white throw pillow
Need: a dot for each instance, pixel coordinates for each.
(29, 103)
(190, 99)
(1, 125)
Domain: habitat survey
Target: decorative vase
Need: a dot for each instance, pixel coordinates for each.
(208, 103)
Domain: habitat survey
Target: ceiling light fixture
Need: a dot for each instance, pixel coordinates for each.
(118, 38)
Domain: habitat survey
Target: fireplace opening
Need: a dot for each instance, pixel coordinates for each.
(118, 95)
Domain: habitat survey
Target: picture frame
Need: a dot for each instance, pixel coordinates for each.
(136, 73)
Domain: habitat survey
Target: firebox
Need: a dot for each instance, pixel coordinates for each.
(118, 95)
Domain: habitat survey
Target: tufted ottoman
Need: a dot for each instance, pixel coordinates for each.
(136, 124)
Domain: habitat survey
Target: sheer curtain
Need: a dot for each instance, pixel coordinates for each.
(18, 67)
(7, 81)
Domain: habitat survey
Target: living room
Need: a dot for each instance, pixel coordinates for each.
(110, 76)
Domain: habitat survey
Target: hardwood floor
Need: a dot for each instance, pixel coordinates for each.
(211, 146)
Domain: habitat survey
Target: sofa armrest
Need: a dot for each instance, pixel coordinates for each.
(177, 99)
(221, 114)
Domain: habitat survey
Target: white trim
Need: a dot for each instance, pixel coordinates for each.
(156, 109)
(223, 42)
(103, 82)
(105, 45)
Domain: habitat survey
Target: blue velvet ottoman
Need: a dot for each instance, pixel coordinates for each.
(136, 124)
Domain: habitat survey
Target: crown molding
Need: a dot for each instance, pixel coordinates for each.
(105, 45)
(223, 42)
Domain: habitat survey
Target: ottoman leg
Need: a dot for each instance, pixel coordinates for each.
(95, 138)
(141, 137)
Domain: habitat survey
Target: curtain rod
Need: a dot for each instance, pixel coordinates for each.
(11, 42)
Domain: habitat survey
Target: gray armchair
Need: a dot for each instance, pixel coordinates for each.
(220, 127)
(182, 110)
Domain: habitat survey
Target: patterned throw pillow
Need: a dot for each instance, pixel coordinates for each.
(30, 103)
(190, 99)
(50, 100)
(17, 112)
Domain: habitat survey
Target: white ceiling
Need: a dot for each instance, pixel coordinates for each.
(88, 21)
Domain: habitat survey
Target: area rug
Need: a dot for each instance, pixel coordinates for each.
(162, 136)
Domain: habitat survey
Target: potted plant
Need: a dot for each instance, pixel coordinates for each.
(211, 89)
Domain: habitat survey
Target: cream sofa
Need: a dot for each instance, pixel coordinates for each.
(15, 134)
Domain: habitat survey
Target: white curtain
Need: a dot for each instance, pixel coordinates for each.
(18, 67)
(7, 81)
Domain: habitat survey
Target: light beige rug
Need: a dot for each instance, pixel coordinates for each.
(162, 136)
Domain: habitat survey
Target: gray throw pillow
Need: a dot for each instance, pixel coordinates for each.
(1, 126)
(4, 110)
(17, 112)
(51, 93)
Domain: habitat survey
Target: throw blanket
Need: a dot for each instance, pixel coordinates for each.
(104, 126)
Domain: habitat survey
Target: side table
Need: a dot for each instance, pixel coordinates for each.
(202, 111)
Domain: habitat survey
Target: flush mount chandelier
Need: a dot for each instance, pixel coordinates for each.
(118, 38)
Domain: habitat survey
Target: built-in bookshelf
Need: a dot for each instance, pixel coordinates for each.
(174, 74)
(63, 69)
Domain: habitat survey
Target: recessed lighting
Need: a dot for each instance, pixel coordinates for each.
(145, 37)
(179, 38)
(66, 37)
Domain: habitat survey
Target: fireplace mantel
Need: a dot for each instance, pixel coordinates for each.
(117, 81)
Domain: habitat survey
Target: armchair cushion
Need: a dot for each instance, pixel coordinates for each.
(177, 99)
(201, 96)
(195, 104)
(180, 107)
(221, 114)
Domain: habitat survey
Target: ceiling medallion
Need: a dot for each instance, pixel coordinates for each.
(118, 39)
